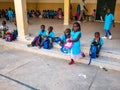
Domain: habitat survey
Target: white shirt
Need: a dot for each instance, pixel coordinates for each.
(82, 5)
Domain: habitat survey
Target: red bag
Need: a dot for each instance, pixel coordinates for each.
(8, 37)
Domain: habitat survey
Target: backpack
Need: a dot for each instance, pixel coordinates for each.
(57, 39)
(93, 53)
(9, 37)
(64, 50)
(47, 44)
(15, 34)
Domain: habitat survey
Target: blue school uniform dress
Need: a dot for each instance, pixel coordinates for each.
(101, 41)
(75, 50)
(63, 38)
(51, 34)
(42, 33)
(63, 49)
(10, 14)
(108, 21)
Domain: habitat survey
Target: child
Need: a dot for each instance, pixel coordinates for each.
(109, 20)
(37, 40)
(98, 42)
(64, 38)
(93, 16)
(3, 29)
(60, 14)
(78, 12)
(10, 14)
(50, 33)
(49, 36)
(75, 52)
(15, 32)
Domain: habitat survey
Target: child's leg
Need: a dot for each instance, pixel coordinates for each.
(34, 41)
(42, 41)
(106, 33)
(3, 33)
(98, 50)
(71, 62)
(109, 33)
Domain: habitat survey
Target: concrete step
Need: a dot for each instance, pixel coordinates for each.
(104, 52)
(107, 59)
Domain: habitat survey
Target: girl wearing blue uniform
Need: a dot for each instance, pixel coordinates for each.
(49, 36)
(42, 31)
(38, 39)
(98, 42)
(10, 14)
(109, 20)
(64, 38)
(75, 52)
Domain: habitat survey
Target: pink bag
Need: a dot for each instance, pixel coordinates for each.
(68, 44)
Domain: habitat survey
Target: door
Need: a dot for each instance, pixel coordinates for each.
(102, 6)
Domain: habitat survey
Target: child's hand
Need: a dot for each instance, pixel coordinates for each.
(69, 40)
(113, 24)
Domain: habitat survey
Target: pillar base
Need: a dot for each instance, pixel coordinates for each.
(25, 38)
(66, 23)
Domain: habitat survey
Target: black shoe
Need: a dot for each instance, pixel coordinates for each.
(40, 46)
(97, 55)
(29, 45)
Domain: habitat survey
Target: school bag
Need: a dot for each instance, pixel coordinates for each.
(47, 44)
(64, 50)
(57, 39)
(15, 34)
(68, 44)
(93, 53)
(8, 37)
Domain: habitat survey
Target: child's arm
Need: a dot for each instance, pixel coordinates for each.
(75, 39)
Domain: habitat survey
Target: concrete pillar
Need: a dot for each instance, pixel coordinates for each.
(21, 18)
(66, 11)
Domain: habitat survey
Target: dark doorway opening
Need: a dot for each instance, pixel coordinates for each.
(102, 6)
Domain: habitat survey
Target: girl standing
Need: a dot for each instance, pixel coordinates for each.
(75, 52)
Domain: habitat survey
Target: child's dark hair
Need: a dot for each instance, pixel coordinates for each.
(4, 22)
(42, 26)
(67, 30)
(97, 33)
(51, 29)
(94, 10)
(77, 25)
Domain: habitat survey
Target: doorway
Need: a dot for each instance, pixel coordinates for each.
(102, 6)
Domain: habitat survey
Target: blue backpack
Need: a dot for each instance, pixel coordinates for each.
(64, 50)
(93, 53)
(15, 35)
(47, 44)
(57, 39)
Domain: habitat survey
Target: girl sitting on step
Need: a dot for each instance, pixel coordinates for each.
(64, 38)
(49, 37)
(98, 42)
(38, 39)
